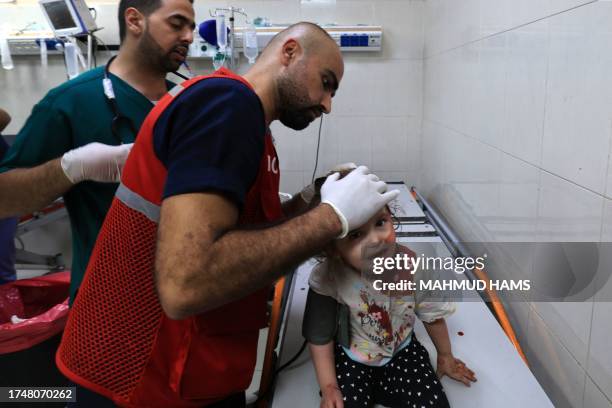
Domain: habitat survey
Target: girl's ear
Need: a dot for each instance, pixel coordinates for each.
(394, 219)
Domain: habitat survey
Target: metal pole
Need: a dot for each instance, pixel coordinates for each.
(446, 233)
(232, 38)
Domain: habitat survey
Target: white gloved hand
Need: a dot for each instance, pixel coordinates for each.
(309, 191)
(356, 197)
(96, 162)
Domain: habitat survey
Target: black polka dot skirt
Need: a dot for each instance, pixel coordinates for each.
(408, 380)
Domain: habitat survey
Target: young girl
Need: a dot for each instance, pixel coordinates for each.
(362, 341)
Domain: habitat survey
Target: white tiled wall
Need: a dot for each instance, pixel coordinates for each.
(558, 372)
(376, 115)
(517, 128)
(599, 364)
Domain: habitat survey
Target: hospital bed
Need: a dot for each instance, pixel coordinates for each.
(30, 222)
(29, 260)
(504, 379)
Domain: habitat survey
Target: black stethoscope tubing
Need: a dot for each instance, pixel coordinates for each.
(109, 92)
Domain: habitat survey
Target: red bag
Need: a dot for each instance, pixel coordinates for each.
(43, 301)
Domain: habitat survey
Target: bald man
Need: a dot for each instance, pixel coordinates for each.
(175, 292)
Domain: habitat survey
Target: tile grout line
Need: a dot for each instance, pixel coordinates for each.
(523, 160)
(598, 388)
(559, 340)
(509, 29)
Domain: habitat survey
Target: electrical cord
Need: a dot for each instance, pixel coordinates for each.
(26, 27)
(292, 359)
(101, 42)
(277, 371)
(97, 40)
(18, 239)
(318, 145)
(94, 48)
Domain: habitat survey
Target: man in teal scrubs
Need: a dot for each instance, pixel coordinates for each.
(53, 154)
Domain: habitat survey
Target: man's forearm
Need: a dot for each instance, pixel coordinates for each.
(26, 190)
(240, 262)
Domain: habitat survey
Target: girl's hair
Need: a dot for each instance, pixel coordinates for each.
(316, 199)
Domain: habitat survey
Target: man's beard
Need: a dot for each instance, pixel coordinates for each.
(154, 55)
(296, 111)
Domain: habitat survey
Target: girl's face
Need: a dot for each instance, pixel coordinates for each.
(377, 231)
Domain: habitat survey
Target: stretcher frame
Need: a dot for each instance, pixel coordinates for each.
(510, 384)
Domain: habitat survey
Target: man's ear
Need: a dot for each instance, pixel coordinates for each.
(135, 22)
(5, 119)
(290, 50)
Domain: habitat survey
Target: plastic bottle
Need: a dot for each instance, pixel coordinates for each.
(5, 52)
(250, 43)
(221, 32)
(72, 64)
(43, 54)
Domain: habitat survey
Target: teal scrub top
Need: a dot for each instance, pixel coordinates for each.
(74, 114)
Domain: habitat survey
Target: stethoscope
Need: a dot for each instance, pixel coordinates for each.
(118, 117)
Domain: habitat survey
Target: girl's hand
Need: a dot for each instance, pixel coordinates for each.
(455, 369)
(331, 397)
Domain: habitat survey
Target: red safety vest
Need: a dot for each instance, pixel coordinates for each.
(118, 342)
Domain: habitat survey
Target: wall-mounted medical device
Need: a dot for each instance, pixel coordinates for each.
(357, 38)
(68, 17)
(30, 43)
(349, 38)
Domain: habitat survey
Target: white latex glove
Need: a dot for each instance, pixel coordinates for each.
(309, 191)
(96, 162)
(356, 197)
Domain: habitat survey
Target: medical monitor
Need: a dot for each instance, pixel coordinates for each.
(68, 17)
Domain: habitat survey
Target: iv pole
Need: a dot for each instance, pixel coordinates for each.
(231, 10)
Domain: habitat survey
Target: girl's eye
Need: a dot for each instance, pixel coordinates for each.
(381, 222)
(354, 235)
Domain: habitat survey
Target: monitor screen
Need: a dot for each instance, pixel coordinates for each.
(59, 15)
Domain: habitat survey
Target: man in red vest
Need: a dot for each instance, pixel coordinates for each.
(169, 312)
